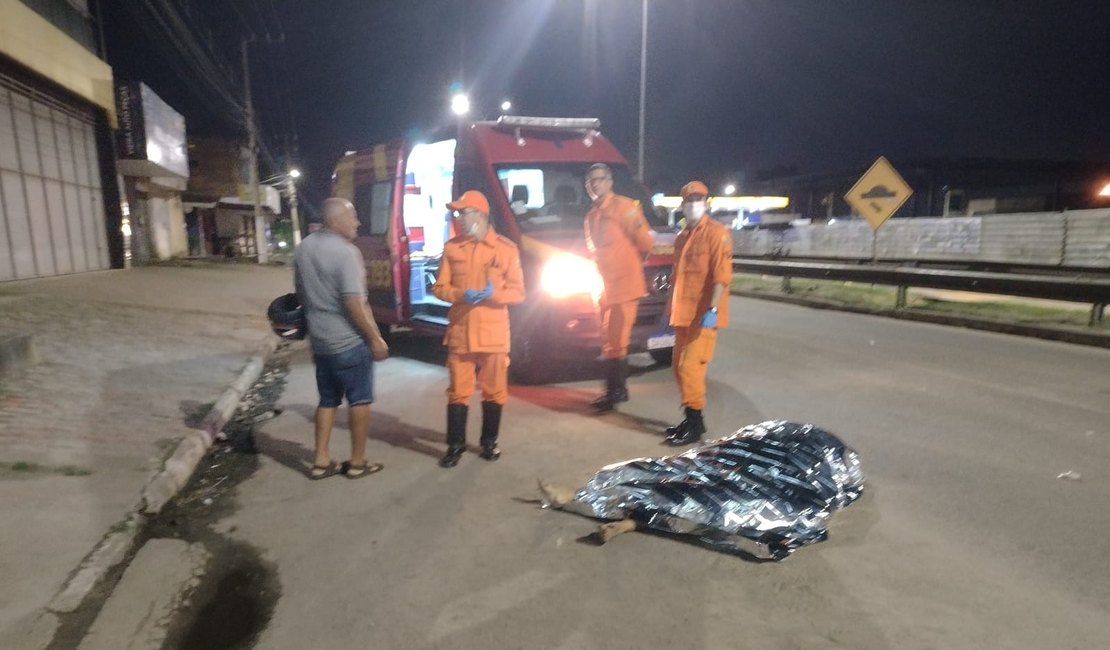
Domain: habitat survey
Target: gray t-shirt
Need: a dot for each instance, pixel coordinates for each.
(327, 267)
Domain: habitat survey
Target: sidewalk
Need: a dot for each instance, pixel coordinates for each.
(129, 360)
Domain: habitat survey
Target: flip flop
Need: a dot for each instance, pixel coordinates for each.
(322, 471)
(360, 471)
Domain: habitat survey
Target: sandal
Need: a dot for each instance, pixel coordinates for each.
(359, 471)
(322, 471)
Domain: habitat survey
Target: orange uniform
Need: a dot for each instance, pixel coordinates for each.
(703, 258)
(478, 335)
(618, 237)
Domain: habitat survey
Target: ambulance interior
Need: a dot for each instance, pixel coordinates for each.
(428, 185)
(547, 196)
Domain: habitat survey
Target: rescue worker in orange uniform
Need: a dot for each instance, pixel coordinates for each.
(618, 237)
(699, 305)
(480, 276)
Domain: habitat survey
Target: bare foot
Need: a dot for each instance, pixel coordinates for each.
(555, 496)
(608, 531)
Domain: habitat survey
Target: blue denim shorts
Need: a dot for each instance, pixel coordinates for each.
(347, 374)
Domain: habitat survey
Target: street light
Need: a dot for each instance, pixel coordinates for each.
(460, 104)
(730, 189)
(505, 106)
(1105, 191)
(294, 173)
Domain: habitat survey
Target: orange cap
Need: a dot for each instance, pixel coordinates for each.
(470, 199)
(692, 188)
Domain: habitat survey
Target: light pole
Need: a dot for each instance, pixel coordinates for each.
(294, 174)
(643, 84)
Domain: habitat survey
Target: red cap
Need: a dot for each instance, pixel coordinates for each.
(470, 199)
(692, 188)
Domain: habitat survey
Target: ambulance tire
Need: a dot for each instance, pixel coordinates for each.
(387, 333)
(663, 357)
(524, 368)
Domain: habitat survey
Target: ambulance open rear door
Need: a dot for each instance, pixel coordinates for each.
(373, 180)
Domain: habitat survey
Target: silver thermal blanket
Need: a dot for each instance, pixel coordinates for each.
(764, 491)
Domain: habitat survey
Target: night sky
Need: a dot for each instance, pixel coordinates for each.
(735, 87)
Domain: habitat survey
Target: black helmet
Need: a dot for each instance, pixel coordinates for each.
(287, 317)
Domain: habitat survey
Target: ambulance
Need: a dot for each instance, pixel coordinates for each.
(532, 169)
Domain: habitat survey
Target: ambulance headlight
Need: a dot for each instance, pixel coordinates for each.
(569, 275)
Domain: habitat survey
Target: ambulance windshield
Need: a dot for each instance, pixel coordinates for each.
(552, 196)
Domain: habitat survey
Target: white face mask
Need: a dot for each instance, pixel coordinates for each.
(693, 210)
(473, 229)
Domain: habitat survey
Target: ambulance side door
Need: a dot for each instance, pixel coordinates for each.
(378, 198)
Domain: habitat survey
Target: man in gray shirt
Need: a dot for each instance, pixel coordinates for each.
(331, 284)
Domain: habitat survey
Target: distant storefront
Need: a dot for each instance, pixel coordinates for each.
(154, 166)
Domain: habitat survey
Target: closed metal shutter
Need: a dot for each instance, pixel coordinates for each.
(52, 219)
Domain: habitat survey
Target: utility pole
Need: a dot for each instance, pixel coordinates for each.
(643, 85)
(252, 145)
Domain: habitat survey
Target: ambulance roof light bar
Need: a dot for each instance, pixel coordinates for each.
(590, 125)
(553, 123)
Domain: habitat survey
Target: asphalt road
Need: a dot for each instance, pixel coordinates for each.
(965, 538)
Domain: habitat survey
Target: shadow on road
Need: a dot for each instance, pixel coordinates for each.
(293, 455)
(383, 426)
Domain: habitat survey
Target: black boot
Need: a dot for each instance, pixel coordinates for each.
(675, 429)
(620, 380)
(688, 431)
(491, 424)
(456, 435)
(616, 388)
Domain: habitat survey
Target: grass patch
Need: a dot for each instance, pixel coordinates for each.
(1010, 312)
(881, 298)
(24, 469)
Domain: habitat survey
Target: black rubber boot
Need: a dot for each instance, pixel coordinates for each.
(620, 380)
(690, 430)
(456, 434)
(616, 390)
(676, 429)
(491, 424)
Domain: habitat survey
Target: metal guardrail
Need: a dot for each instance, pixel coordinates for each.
(1052, 287)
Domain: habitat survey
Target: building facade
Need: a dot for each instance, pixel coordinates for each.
(59, 199)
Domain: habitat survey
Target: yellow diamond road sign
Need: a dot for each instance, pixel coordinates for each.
(878, 193)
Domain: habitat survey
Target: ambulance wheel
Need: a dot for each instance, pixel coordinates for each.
(663, 357)
(387, 333)
(524, 368)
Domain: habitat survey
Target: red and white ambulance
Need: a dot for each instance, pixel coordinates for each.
(532, 171)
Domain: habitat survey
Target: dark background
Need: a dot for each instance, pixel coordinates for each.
(736, 88)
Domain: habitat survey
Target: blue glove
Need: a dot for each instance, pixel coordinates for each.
(475, 296)
(709, 319)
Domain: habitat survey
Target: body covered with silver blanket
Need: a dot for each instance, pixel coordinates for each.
(765, 490)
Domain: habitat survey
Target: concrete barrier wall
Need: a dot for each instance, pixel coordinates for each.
(1074, 238)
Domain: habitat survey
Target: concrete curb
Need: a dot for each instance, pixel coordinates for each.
(175, 473)
(1061, 334)
(179, 467)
